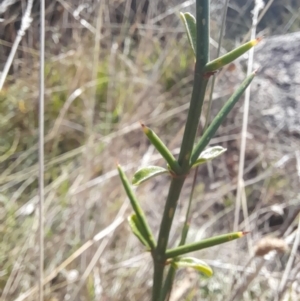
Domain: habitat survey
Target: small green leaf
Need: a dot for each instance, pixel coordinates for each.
(203, 244)
(139, 213)
(137, 229)
(215, 124)
(146, 173)
(230, 56)
(195, 263)
(189, 22)
(162, 149)
(209, 154)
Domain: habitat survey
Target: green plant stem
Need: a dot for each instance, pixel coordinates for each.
(172, 271)
(200, 83)
(205, 243)
(197, 99)
(186, 225)
(163, 237)
(168, 284)
(192, 122)
(158, 277)
(168, 215)
(202, 22)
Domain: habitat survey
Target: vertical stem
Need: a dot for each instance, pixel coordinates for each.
(218, 54)
(202, 20)
(191, 126)
(240, 182)
(41, 150)
(157, 281)
(163, 237)
(168, 215)
(199, 87)
(168, 284)
(25, 23)
(200, 83)
(172, 271)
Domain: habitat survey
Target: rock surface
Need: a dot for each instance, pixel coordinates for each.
(276, 89)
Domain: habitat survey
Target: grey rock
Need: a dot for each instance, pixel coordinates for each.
(276, 89)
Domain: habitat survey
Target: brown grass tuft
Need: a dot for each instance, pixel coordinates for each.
(268, 244)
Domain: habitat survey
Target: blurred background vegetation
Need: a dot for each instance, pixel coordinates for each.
(110, 64)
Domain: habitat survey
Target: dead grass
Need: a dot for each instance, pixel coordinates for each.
(146, 78)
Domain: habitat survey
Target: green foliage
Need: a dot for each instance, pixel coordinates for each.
(195, 263)
(189, 22)
(209, 154)
(213, 127)
(230, 56)
(162, 149)
(203, 244)
(138, 221)
(198, 35)
(146, 173)
(138, 230)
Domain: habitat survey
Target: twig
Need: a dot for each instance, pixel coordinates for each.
(248, 278)
(199, 87)
(185, 229)
(289, 265)
(5, 4)
(41, 149)
(25, 23)
(89, 121)
(258, 6)
(76, 15)
(267, 6)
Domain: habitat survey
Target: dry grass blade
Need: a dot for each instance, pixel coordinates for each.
(289, 266)
(97, 255)
(116, 223)
(41, 149)
(268, 244)
(5, 4)
(240, 189)
(25, 23)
